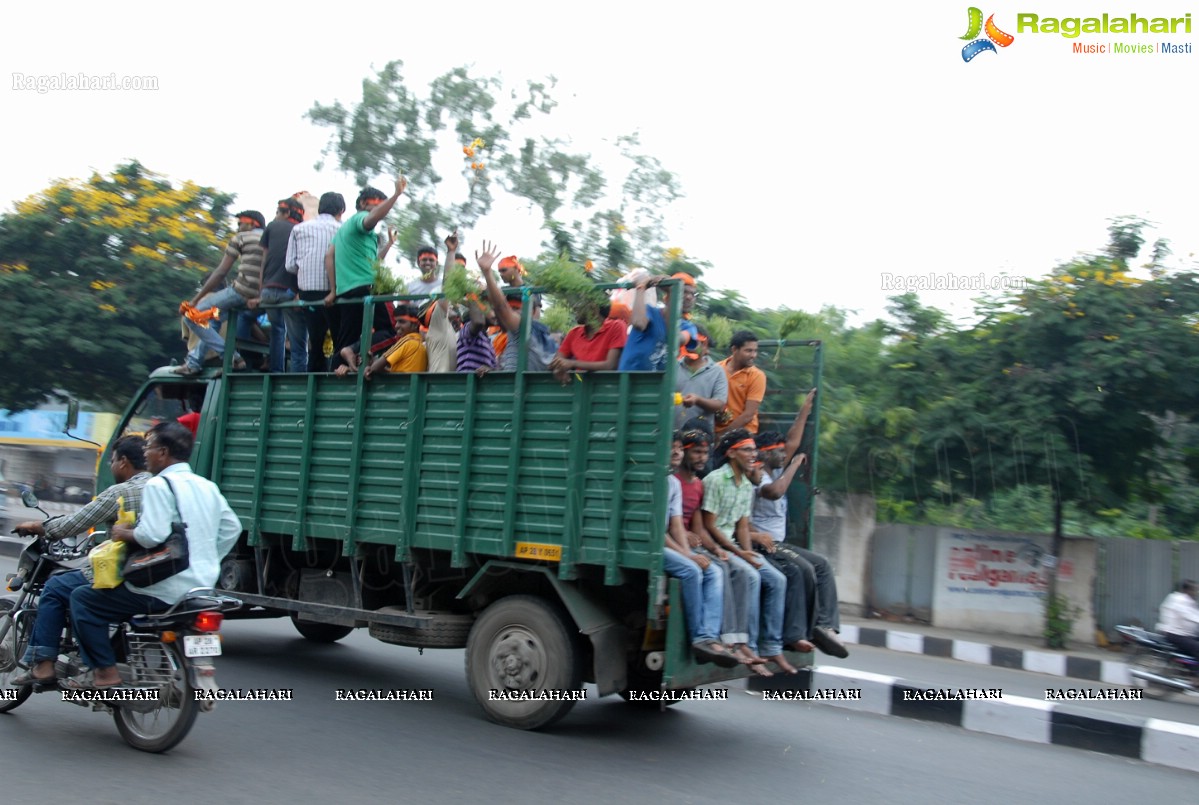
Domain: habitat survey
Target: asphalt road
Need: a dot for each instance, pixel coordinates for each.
(939, 672)
(316, 749)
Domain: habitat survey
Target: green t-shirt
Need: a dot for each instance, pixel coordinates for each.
(355, 251)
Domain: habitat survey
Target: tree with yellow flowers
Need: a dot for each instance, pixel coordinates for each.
(91, 273)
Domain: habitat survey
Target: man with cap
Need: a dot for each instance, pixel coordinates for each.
(244, 248)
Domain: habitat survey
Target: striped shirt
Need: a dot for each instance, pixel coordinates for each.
(306, 252)
(246, 249)
(101, 512)
(474, 350)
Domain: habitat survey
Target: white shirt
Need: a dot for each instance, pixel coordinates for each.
(1179, 614)
(212, 528)
(306, 252)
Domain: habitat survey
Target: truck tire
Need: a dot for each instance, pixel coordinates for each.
(320, 632)
(523, 644)
(446, 630)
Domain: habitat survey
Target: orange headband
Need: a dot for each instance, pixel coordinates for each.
(245, 219)
(743, 443)
(686, 278)
(773, 446)
(371, 202)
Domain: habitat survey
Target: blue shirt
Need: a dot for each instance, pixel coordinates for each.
(645, 350)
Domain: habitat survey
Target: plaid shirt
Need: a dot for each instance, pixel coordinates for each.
(102, 511)
(726, 499)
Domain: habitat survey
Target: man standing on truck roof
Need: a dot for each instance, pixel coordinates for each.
(747, 385)
(728, 502)
(350, 264)
(288, 324)
(128, 465)
(306, 260)
(244, 248)
(175, 493)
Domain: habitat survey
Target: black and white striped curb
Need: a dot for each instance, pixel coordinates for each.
(1113, 672)
(1152, 740)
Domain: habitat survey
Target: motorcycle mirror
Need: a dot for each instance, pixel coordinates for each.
(29, 499)
(72, 415)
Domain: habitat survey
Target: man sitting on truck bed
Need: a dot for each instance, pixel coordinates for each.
(742, 585)
(728, 501)
(816, 617)
(541, 348)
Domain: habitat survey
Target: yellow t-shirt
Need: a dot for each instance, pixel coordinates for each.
(407, 355)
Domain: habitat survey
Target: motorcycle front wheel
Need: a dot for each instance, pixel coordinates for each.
(158, 725)
(12, 648)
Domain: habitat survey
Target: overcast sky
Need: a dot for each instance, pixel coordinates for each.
(819, 147)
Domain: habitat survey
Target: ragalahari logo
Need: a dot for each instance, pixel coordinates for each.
(994, 35)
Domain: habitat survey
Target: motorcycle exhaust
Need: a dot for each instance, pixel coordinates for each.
(1159, 680)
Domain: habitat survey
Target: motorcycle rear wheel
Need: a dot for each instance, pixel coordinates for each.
(1154, 663)
(12, 647)
(156, 727)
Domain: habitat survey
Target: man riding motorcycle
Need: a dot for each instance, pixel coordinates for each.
(128, 466)
(1178, 618)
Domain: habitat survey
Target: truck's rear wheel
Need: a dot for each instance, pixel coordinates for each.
(523, 644)
(320, 632)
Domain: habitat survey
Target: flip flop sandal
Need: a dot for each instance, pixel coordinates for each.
(87, 681)
(705, 653)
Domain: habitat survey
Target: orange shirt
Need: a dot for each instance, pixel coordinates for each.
(744, 385)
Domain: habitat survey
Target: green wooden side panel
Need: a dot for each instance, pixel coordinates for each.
(418, 466)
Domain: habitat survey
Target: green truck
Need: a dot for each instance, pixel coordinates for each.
(506, 514)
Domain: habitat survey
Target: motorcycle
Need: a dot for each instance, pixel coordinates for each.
(1156, 666)
(165, 659)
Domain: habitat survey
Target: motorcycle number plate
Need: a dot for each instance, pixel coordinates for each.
(201, 645)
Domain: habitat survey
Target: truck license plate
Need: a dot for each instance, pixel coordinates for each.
(201, 645)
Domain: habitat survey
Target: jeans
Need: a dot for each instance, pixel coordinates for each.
(289, 324)
(742, 590)
(703, 594)
(227, 301)
(774, 599)
(93, 610)
(799, 602)
(52, 609)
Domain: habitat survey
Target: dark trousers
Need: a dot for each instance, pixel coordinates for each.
(799, 608)
(346, 322)
(318, 328)
(1184, 643)
(828, 611)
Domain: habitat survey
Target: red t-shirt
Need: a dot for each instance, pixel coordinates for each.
(610, 335)
(693, 496)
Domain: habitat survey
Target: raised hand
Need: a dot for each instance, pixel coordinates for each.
(487, 259)
(451, 242)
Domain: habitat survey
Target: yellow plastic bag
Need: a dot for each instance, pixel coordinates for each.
(107, 559)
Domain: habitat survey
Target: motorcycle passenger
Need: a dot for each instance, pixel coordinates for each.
(1178, 618)
(128, 465)
(212, 529)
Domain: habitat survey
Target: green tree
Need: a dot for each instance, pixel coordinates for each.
(91, 274)
(493, 135)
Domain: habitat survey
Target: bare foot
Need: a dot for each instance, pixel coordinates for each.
(350, 357)
(746, 656)
(802, 645)
(760, 669)
(784, 666)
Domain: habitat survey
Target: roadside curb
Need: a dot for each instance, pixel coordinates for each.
(1055, 663)
(1166, 743)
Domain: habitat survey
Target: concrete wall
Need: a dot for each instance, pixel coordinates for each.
(842, 533)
